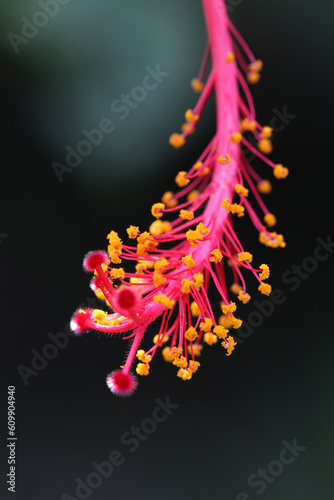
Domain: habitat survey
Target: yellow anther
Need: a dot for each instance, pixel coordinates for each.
(105, 268)
(244, 297)
(168, 199)
(188, 128)
(186, 214)
(204, 171)
(272, 240)
(230, 57)
(114, 247)
(188, 261)
(228, 308)
(145, 243)
(177, 351)
(198, 165)
(235, 138)
(264, 186)
(197, 85)
(192, 236)
(177, 141)
(224, 160)
(99, 316)
(166, 225)
(158, 279)
(248, 125)
(191, 334)
(190, 117)
(115, 322)
(253, 77)
(193, 365)
(236, 323)
(229, 344)
(266, 132)
(194, 309)
(265, 146)
(280, 172)
(180, 362)
(234, 208)
(225, 321)
(181, 180)
(159, 339)
(184, 374)
(206, 325)
(141, 267)
(192, 195)
(143, 369)
(245, 257)
(199, 280)
(241, 190)
(167, 354)
(109, 322)
(216, 256)
(186, 284)
(265, 272)
(256, 65)
(197, 348)
(138, 281)
(265, 288)
(116, 273)
(164, 300)
(220, 331)
(142, 356)
(99, 294)
(202, 229)
(235, 288)
(157, 210)
(161, 264)
(269, 219)
(159, 227)
(210, 338)
(133, 232)
(148, 263)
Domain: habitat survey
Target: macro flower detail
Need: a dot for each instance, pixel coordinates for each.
(166, 274)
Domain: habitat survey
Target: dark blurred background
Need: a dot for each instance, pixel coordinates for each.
(234, 415)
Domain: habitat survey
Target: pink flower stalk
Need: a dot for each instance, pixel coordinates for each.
(174, 262)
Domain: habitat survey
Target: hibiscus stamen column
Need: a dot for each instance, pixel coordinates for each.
(176, 259)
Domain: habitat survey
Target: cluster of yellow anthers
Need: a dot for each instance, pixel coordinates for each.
(234, 208)
(185, 368)
(194, 236)
(254, 71)
(102, 317)
(115, 247)
(272, 240)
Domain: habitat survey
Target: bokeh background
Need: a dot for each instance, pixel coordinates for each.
(277, 386)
